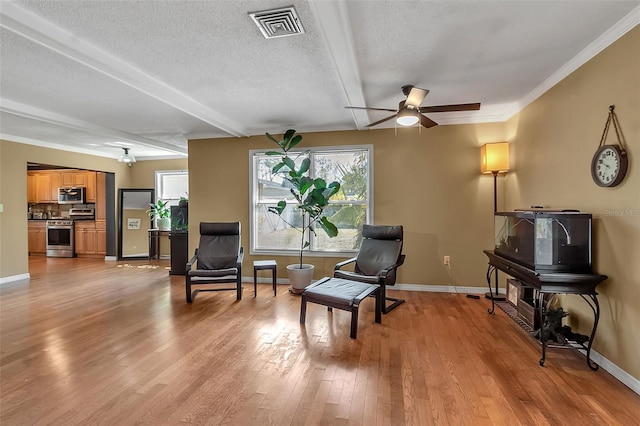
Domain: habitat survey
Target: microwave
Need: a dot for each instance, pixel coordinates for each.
(71, 195)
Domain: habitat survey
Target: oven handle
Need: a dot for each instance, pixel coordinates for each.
(59, 227)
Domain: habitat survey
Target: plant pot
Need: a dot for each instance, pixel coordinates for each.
(300, 278)
(164, 223)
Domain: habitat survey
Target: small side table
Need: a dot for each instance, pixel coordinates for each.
(154, 242)
(261, 265)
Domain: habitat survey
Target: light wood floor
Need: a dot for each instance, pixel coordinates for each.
(88, 342)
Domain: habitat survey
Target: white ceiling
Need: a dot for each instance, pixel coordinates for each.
(94, 76)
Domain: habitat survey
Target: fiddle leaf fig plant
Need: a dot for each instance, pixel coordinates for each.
(312, 195)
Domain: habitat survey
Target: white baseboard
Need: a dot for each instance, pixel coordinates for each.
(14, 278)
(617, 372)
(439, 288)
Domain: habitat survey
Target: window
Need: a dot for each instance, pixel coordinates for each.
(349, 209)
(171, 185)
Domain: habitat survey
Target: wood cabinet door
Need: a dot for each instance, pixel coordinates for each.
(41, 245)
(80, 240)
(32, 194)
(101, 241)
(90, 241)
(80, 179)
(90, 185)
(43, 188)
(101, 196)
(37, 239)
(55, 182)
(33, 240)
(68, 178)
(101, 236)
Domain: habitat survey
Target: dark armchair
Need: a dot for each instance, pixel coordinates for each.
(217, 260)
(379, 257)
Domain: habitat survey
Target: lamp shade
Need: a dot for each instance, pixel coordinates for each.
(494, 157)
(126, 157)
(407, 117)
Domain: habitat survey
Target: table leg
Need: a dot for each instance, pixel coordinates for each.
(255, 282)
(490, 271)
(541, 316)
(303, 310)
(595, 307)
(273, 277)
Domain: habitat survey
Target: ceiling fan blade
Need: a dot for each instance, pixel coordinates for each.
(427, 122)
(451, 108)
(416, 96)
(375, 123)
(373, 109)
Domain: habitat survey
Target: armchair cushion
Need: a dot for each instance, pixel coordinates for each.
(348, 275)
(213, 272)
(216, 262)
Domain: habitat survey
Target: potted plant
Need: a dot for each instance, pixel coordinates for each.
(311, 195)
(160, 211)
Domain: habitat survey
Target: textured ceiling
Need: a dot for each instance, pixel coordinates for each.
(93, 76)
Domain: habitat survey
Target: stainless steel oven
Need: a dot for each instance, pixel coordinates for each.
(60, 238)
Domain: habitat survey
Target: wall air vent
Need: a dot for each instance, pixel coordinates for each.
(278, 22)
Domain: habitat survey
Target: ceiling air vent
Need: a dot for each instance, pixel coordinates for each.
(278, 22)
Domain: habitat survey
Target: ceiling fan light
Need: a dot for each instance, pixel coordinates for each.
(407, 117)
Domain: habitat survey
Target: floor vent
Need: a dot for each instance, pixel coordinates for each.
(280, 22)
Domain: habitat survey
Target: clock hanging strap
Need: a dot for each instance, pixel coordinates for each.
(612, 118)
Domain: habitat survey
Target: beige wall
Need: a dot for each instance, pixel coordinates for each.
(553, 142)
(13, 194)
(13, 191)
(428, 182)
(143, 172)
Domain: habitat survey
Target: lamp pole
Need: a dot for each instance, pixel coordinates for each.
(496, 295)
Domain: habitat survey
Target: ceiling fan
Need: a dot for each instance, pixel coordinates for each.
(410, 112)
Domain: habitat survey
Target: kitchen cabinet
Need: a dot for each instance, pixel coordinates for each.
(74, 178)
(85, 234)
(101, 197)
(37, 237)
(90, 185)
(55, 182)
(32, 194)
(43, 188)
(101, 237)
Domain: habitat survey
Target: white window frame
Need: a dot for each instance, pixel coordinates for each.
(158, 187)
(253, 194)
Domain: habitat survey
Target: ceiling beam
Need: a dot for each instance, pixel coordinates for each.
(43, 32)
(17, 108)
(333, 20)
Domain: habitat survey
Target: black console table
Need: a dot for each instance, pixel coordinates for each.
(583, 285)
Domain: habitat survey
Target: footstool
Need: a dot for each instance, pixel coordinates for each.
(341, 294)
(260, 265)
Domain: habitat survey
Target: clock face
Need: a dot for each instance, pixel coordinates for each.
(609, 165)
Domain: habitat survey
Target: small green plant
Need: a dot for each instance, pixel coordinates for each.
(159, 210)
(312, 195)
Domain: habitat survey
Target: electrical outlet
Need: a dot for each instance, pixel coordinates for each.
(447, 260)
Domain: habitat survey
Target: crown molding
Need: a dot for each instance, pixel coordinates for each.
(630, 21)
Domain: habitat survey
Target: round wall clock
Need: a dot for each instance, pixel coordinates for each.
(609, 165)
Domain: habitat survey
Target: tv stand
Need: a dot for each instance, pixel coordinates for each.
(583, 285)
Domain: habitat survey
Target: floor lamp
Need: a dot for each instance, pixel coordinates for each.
(495, 160)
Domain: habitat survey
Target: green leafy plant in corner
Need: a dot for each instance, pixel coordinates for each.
(312, 195)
